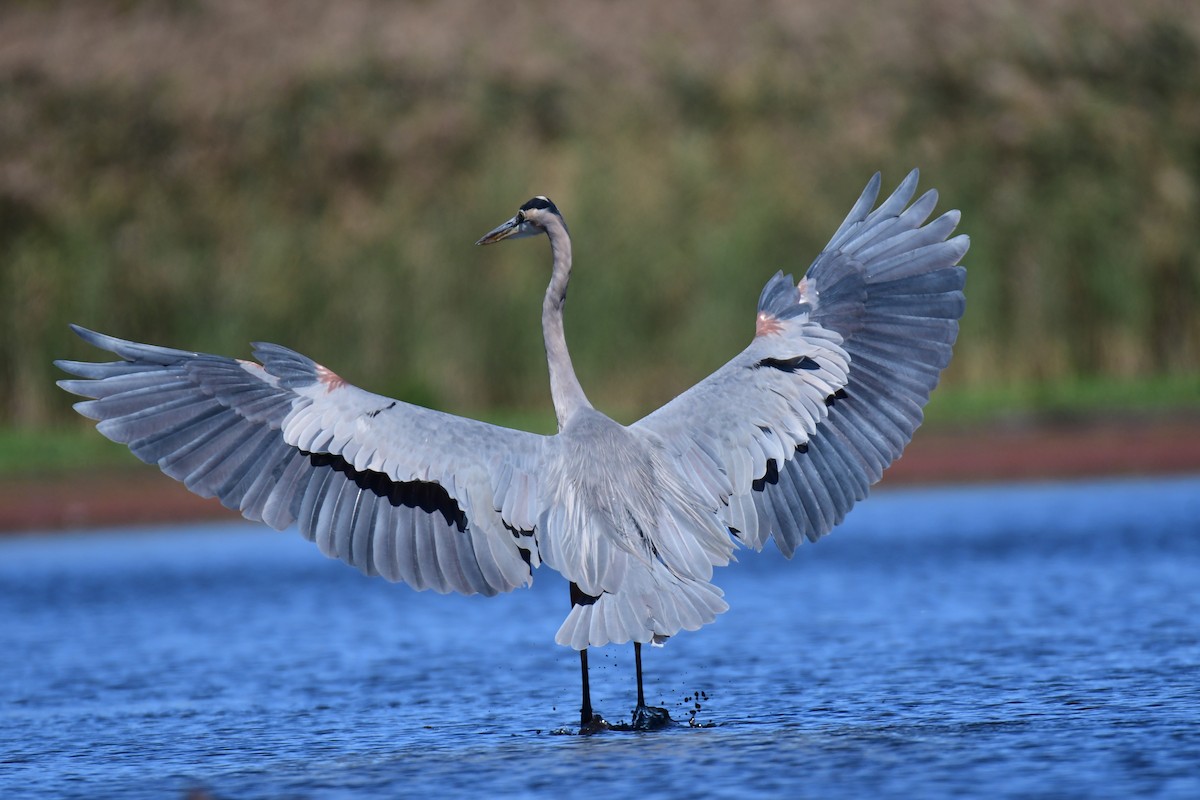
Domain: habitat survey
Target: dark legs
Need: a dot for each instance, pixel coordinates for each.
(637, 659)
(587, 718)
(646, 718)
(585, 711)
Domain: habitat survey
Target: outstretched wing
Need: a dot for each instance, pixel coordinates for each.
(795, 429)
(414, 495)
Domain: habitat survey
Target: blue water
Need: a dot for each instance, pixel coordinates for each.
(1014, 641)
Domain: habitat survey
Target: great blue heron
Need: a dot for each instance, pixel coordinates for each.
(780, 442)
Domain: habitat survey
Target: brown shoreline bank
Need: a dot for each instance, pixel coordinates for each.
(1019, 452)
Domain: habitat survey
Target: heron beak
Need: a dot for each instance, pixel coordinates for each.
(501, 232)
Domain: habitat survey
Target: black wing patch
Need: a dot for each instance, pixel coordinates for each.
(788, 365)
(431, 498)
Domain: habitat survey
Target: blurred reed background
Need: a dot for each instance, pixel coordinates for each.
(202, 173)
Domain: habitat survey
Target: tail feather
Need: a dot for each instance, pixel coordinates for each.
(650, 606)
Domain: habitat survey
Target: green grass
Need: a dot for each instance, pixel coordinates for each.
(1100, 398)
(29, 453)
(328, 200)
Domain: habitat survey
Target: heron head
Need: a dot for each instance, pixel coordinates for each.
(530, 220)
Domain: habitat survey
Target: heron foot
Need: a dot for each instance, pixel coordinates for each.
(645, 718)
(650, 718)
(595, 725)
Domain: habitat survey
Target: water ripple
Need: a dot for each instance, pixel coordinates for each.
(1021, 641)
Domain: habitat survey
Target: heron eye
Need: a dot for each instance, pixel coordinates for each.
(520, 217)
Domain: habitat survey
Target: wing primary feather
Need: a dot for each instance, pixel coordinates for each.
(313, 499)
(362, 533)
(858, 211)
(342, 521)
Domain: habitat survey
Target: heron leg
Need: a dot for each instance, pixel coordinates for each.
(585, 711)
(646, 718)
(589, 721)
(637, 660)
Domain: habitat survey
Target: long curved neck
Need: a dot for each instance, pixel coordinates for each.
(564, 386)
